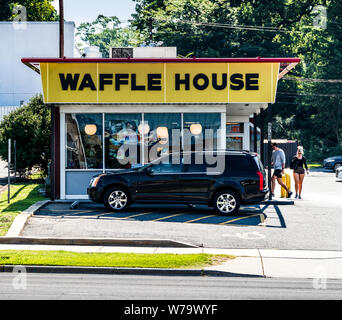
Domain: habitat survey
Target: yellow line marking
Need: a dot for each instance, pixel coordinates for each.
(103, 214)
(78, 212)
(136, 215)
(172, 215)
(241, 218)
(199, 218)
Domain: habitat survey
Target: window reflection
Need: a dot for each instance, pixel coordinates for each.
(234, 143)
(196, 130)
(162, 134)
(83, 141)
(122, 140)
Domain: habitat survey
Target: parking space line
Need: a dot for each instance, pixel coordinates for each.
(104, 214)
(241, 218)
(193, 220)
(172, 215)
(79, 212)
(136, 215)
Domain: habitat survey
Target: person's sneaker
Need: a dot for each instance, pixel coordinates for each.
(296, 196)
(299, 197)
(290, 194)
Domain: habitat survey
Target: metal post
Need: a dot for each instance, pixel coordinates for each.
(262, 137)
(255, 133)
(15, 160)
(9, 172)
(269, 149)
(61, 29)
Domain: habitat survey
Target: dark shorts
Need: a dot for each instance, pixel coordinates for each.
(300, 170)
(277, 173)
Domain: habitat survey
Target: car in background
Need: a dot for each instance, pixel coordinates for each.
(339, 173)
(241, 180)
(332, 163)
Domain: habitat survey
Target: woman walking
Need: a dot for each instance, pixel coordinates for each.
(297, 164)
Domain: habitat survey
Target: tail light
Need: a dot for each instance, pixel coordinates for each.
(261, 180)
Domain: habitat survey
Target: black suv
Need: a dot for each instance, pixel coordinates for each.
(223, 180)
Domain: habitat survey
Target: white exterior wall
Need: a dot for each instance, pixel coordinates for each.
(32, 39)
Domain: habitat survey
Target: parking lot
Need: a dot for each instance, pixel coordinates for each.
(313, 223)
(249, 215)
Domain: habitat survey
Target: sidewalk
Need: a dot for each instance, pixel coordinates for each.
(248, 262)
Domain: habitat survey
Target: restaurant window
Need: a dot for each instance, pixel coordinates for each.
(83, 141)
(234, 127)
(234, 143)
(198, 127)
(122, 140)
(162, 134)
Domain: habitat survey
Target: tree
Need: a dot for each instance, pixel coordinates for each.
(29, 126)
(105, 32)
(36, 10)
(308, 110)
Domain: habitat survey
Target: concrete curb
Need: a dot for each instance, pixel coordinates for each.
(96, 242)
(283, 202)
(122, 271)
(22, 218)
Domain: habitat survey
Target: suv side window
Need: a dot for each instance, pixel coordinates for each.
(239, 164)
(167, 168)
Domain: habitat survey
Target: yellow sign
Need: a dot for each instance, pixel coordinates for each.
(160, 82)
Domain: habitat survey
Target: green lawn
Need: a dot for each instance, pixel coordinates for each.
(22, 196)
(134, 260)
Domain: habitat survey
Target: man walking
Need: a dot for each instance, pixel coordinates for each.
(278, 161)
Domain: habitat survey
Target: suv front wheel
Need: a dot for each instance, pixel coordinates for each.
(226, 203)
(116, 199)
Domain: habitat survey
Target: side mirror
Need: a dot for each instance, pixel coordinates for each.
(149, 170)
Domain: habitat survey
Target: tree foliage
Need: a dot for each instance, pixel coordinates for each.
(36, 10)
(106, 32)
(29, 126)
(307, 110)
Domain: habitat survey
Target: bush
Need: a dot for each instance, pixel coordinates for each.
(29, 126)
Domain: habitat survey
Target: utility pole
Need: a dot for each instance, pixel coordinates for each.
(61, 29)
(54, 167)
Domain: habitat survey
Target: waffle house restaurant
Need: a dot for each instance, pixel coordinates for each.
(94, 100)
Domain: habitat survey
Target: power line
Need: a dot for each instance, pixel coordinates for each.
(313, 80)
(229, 26)
(294, 94)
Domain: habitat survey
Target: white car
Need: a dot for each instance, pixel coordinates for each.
(339, 173)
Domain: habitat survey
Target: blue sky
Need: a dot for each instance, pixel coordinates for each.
(87, 10)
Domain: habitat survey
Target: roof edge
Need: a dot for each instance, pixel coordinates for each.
(171, 60)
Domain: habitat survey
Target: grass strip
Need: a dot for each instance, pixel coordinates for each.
(22, 196)
(132, 260)
(314, 165)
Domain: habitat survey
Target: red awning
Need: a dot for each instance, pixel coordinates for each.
(286, 64)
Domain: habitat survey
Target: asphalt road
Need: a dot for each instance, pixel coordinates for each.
(311, 224)
(131, 287)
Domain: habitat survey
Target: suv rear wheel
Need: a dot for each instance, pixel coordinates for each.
(226, 203)
(116, 199)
